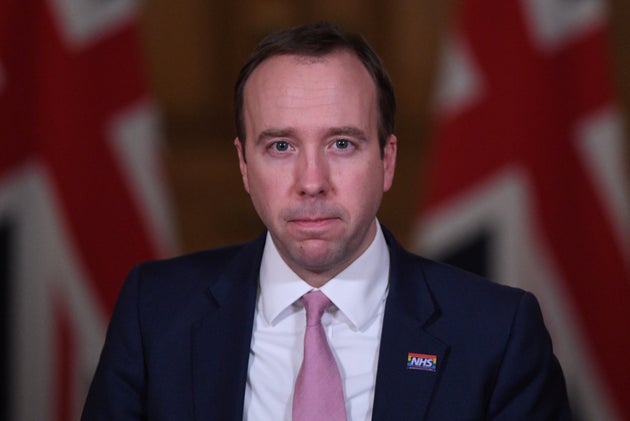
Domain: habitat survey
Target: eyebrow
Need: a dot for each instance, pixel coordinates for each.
(347, 131)
(274, 132)
(334, 131)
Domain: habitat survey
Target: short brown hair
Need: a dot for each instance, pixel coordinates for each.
(318, 40)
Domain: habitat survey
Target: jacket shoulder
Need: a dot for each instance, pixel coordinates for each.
(189, 267)
(186, 284)
(443, 278)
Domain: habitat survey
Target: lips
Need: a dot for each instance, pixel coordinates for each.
(314, 222)
(313, 219)
(314, 227)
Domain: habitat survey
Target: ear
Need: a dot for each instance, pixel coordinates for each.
(389, 161)
(242, 164)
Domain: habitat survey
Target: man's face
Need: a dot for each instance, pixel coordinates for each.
(312, 163)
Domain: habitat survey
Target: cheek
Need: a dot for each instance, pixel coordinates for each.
(266, 189)
(363, 185)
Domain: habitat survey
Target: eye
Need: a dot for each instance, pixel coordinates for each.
(281, 146)
(342, 143)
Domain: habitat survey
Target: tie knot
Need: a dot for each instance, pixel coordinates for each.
(315, 302)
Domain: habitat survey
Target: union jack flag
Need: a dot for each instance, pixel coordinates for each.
(527, 179)
(82, 196)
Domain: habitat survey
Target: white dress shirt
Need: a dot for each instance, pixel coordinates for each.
(352, 325)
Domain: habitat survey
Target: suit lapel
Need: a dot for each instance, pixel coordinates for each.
(402, 391)
(221, 339)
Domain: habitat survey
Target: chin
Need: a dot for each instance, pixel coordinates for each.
(318, 259)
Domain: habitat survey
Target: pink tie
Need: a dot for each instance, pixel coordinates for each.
(318, 393)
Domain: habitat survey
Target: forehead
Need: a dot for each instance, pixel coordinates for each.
(334, 84)
(344, 61)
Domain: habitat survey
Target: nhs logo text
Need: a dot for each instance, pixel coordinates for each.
(424, 362)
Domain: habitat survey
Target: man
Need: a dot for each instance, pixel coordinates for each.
(220, 335)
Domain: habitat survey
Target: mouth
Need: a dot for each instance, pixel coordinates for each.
(314, 225)
(316, 220)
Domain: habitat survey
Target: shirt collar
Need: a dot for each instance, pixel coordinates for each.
(357, 291)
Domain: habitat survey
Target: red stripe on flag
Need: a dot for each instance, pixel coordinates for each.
(82, 94)
(58, 109)
(531, 106)
(58, 101)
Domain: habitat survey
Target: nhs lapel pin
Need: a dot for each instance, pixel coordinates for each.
(423, 362)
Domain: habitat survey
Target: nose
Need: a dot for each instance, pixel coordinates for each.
(312, 174)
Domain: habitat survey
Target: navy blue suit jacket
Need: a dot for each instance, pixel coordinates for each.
(178, 344)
